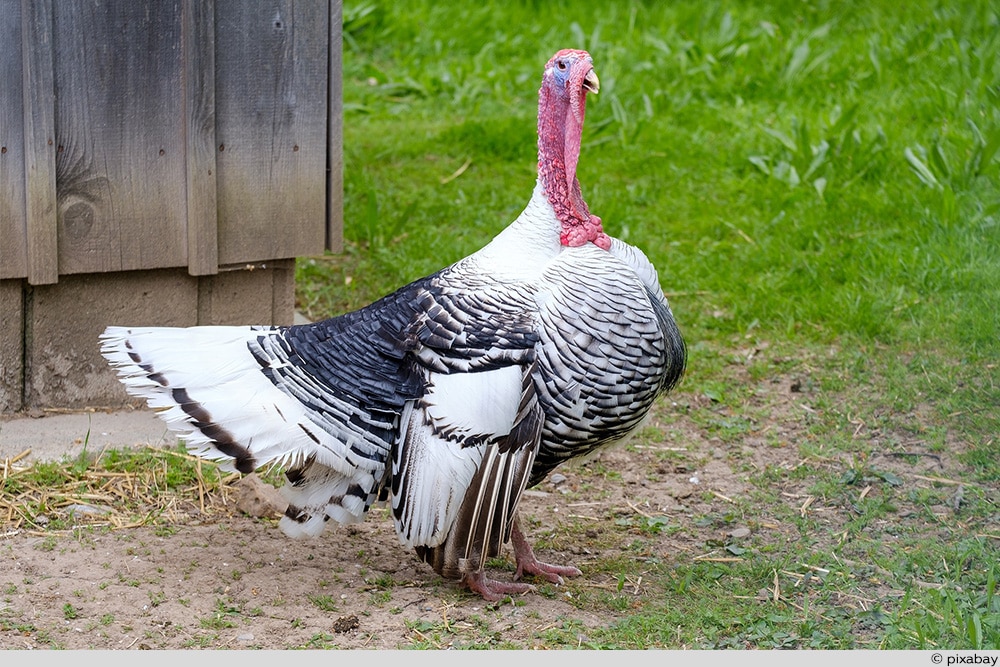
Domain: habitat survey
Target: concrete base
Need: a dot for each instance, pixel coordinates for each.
(57, 436)
(54, 329)
(11, 344)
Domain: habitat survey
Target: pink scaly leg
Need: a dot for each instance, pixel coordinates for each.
(528, 564)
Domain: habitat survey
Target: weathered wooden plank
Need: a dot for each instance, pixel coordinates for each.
(121, 173)
(335, 132)
(13, 240)
(38, 95)
(199, 92)
(271, 97)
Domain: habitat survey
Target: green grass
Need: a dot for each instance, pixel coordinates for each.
(808, 171)
(818, 180)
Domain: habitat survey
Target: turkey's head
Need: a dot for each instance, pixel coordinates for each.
(562, 102)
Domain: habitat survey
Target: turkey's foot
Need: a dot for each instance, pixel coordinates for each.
(527, 563)
(491, 589)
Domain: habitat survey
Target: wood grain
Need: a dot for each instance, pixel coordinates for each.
(39, 142)
(13, 240)
(199, 95)
(193, 133)
(335, 132)
(120, 157)
(271, 98)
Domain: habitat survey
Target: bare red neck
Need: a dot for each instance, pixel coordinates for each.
(560, 130)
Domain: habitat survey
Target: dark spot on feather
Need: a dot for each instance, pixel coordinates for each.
(153, 375)
(356, 491)
(134, 357)
(295, 476)
(280, 413)
(159, 379)
(220, 437)
(311, 435)
(296, 514)
(128, 344)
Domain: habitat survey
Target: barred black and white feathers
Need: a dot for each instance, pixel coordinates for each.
(449, 396)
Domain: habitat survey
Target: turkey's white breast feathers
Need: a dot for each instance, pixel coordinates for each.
(450, 430)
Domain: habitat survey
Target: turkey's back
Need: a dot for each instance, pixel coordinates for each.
(609, 345)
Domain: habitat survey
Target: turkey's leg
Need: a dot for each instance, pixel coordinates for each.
(528, 564)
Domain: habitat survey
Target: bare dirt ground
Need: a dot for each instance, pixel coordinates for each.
(228, 580)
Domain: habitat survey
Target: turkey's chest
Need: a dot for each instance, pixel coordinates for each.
(602, 351)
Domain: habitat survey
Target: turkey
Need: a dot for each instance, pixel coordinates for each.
(450, 396)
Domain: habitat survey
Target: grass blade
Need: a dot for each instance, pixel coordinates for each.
(922, 171)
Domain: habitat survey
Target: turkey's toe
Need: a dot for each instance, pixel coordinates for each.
(492, 590)
(527, 563)
(551, 573)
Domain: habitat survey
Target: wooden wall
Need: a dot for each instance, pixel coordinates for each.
(146, 145)
(176, 133)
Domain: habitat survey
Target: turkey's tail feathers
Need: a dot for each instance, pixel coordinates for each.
(317, 494)
(209, 384)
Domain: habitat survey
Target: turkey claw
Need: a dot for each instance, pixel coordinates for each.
(492, 590)
(552, 573)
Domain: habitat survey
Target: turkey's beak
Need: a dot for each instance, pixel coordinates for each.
(591, 82)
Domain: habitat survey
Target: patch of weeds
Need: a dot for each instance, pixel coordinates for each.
(428, 634)
(565, 633)
(321, 640)
(729, 427)
(654, 525)
(107, 619)
(70, 612)
(223, 616)
(380, 598)
(323, 602)
(216, 622)
(20, 628)
(958, 619)
(48, 544)
(201, 641)
(383, 581)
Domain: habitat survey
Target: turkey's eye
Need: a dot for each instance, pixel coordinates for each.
(561, 64)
